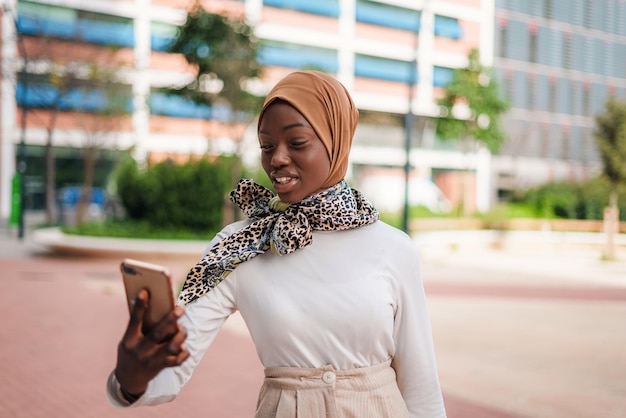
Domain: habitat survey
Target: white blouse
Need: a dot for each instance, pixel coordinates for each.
(351, 299)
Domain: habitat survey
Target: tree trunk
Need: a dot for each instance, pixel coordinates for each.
(51, 204)
(611, 222)
(51, 207)
(86, 189)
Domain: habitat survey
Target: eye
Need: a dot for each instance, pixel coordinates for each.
(298, 143)
(265, 147)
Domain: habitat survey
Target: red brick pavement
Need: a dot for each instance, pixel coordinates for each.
(61, 320)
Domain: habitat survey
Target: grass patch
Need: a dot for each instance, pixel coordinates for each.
(136, 229)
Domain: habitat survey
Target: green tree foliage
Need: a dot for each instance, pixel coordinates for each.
(475, 87)
(224, 51)
(188, 196)
(569, 200)
(610, 138)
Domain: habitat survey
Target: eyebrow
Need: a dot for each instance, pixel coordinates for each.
(293, 125)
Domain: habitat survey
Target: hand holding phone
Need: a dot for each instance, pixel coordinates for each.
(156, 280)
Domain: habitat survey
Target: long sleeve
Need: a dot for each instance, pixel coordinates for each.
(202, 321)
(414, 359)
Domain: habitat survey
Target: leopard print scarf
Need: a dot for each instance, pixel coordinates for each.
(279, 227)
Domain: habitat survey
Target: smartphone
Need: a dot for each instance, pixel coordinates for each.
(156, 280)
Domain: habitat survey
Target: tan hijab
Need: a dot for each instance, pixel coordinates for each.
(327, 106)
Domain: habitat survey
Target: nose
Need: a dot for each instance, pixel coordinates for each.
(280, 156)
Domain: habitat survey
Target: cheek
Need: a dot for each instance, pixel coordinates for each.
(265, 163)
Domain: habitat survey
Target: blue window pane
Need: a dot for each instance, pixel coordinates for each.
(35, 95)
(106, 33)
(388, 16)
(442, 76)
(319, 7)
(176, 106)
(298, 56)
(383, 69)
(43, 96)
(42, 26)
(448, 27)
(161, 43)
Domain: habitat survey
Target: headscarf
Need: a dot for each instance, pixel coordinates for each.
(326, 104)
(280, 227)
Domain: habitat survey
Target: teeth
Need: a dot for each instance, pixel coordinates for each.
(282, 179)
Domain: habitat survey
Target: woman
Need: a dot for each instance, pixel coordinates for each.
(332, 296)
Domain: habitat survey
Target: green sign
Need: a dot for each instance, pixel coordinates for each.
(15, 200)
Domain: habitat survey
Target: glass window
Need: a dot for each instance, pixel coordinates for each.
(532, 43)
(442, 76)
(37, 92)
(448, 27)
(566, 50)
(376, 13)
(318, 7)
(79, 25)
(531, 86)
(552, 96)
(547, 9)
(43, 19)
(177, 106)
(162, 35)
(502, 39)
(282, 54)
(382, 68)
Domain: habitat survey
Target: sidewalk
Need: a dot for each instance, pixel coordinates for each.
(510, 340)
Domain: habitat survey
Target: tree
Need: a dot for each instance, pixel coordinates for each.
(224, 51)
(65, 70)
(471, 108)
(99, 124)
(610, 138)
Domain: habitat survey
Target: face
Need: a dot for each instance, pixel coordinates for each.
(292, 154)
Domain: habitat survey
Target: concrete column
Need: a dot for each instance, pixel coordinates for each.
(8, 107)
(254, 11)
(141, 83)
(347, 13)
(487, 25)
(424, 58)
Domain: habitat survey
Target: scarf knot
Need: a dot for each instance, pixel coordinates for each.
(277, 226)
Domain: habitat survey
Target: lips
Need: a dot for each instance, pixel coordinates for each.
(283, 182)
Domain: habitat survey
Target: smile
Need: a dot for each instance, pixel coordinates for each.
(282, 180)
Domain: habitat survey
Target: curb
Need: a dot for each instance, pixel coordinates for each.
(58, 242)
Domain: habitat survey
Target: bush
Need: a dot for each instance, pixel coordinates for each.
(188, 196)
(569, 200)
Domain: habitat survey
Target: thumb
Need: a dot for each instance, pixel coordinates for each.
(137, 313)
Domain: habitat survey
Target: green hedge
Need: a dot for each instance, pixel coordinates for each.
(188, 196)
(569, 200)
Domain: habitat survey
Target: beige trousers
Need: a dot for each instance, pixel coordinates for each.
(366, 392)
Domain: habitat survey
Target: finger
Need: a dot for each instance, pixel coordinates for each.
(167, 327)
(175, 345)
(176, 360)
(136, 314)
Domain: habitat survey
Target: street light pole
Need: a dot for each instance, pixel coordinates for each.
(408, 128)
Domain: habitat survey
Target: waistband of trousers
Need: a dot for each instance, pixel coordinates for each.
(359, 378)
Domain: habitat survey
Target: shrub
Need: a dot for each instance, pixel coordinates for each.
(572, 200)
(188, 196)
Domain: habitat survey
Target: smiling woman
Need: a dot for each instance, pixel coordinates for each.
(292, 154)
(333, 297)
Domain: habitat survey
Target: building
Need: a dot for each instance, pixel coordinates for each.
(394, 56)
(558, 61)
